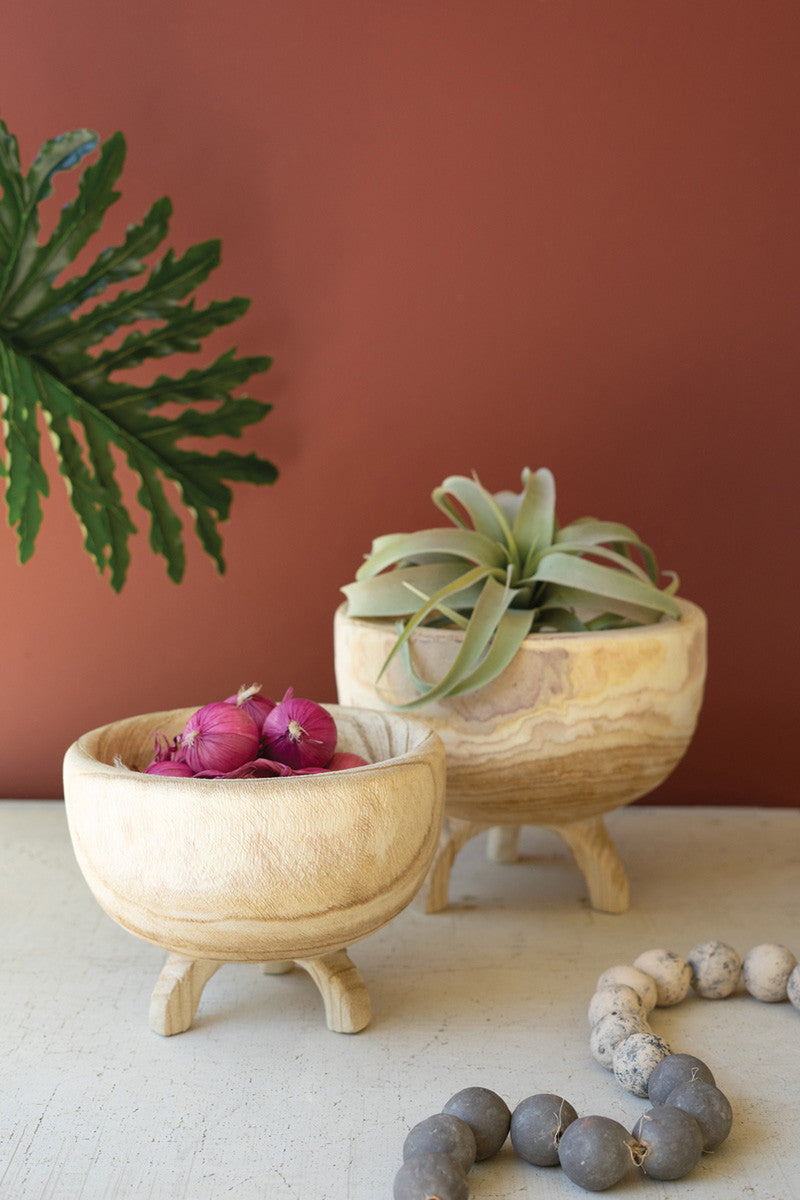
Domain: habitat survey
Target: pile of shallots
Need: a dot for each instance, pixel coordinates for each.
(248, 736)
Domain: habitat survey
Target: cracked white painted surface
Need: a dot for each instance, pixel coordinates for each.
(261, 1102)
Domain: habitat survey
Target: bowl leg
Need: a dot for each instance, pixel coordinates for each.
(503, 843)
(598, 862)
(177, 993)
(343, 991)
(454, 836)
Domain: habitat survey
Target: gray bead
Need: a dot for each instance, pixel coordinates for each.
(672, 1070)
(537, 1124)
(487, 1115)
(430, 1177)
(595, 1152)
(442, 1133)
(708, 1106)
(671, 1142)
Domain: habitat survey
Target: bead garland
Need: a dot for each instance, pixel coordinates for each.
(690, 1115)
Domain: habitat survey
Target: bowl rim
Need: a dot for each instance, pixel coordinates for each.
(79, 759)
(693, 618)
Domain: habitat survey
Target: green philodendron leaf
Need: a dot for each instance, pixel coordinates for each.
(113, 265)
(27, 480)
(78, 222)
(55, 361)
(169, 281)
(22, 196)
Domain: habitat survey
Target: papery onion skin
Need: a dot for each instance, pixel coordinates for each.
(169, 767)
(300, 733)
(254, 703)
(166, 751)
(219, 737)
(259, 768)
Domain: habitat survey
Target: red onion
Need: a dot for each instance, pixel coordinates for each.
(219, 737)
(253, 702)
(344, 760)
(170, 767)
(339, 762)
(226, 740)
(299, 733)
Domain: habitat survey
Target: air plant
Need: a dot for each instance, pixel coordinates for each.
(59, 357)
(505, 571)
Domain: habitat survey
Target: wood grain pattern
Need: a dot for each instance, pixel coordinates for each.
(177, 993)
(344, 994)
(576, 726)
(593, 850)
(256, 870)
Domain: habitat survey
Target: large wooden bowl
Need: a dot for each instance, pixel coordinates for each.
(577, 725)
(256, 870)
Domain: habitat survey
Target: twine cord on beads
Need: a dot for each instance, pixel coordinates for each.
(690, 1114)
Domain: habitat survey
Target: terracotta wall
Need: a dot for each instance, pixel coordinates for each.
(476, 236)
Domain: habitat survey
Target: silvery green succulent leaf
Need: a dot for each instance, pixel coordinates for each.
(398, 593)
(505, 571)
(58, 361)
(481, 509)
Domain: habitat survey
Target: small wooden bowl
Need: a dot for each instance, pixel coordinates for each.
(274, 871)
(577, 725)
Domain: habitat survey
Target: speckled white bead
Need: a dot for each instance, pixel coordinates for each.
(716, 969)
(766, 971)
(618, 999)
(793, 988)
(635, 1059)
(641, 983)
(671, 973)
(609, 1032)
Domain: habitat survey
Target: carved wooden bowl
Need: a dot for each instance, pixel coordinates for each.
(577, 725)
(274, 871)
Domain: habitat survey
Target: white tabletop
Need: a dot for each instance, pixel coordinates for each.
(260, 1101)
